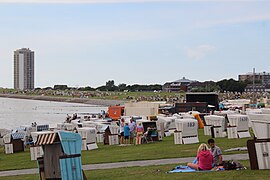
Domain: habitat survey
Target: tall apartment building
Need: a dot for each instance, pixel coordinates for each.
(263, 77)
(24, 69)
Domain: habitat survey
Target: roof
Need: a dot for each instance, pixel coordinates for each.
(18, 135)
(183, 80)
(260, 73)
(48, 138)
(203, 93)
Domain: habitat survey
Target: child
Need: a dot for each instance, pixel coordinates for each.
(216, 152)
(204, 157)
(126, 132)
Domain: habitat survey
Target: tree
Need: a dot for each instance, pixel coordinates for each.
(232, 85)
(60, 87)
(87, 88)
(122, 87)
(110, 83)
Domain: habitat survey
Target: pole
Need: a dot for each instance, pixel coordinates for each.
(253, 87)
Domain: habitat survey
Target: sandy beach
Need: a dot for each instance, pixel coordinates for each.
(100, 102)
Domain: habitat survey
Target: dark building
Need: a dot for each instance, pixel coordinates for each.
(202, 107)
(209, 97)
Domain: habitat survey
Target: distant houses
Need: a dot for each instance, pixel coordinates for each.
(258, 88)
(262, 81)
(244, 84)
(177, 86)
(262, 77)
(186, 85)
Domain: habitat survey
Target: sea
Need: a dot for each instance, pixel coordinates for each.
(18, 112)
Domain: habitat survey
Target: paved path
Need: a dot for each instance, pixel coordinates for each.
(127, 164)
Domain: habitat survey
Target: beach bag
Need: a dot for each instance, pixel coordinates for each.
(229, 165)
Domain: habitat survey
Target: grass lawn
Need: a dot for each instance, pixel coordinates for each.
(135, 95)
(111, 95)
(106, 154)
(159, 172)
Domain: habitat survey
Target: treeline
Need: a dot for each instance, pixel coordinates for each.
(228, 85)
(110, 86)
(225, 85)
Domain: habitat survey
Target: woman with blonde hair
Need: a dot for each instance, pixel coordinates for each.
(139, 133)
(204, 159)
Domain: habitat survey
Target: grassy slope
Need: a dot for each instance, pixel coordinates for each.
(124, 95)
(116, 95)
(106, 154)
(159, 172)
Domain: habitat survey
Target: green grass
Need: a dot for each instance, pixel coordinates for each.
(157, 150)
(108, 95)
(16, 161)
(159, 172)
(135, 95)
(107, 154)
(126, 95)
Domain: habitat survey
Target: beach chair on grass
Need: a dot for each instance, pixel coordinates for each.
(147, 137)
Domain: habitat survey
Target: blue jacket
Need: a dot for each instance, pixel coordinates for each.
(126, 130)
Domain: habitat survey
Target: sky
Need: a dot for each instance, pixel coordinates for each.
(88, 42)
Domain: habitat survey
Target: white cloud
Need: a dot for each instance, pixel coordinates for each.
(236, 20)
(199, 52)
(117, 1)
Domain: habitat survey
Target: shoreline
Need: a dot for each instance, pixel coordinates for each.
(99, 102)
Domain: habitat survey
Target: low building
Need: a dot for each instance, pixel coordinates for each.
(258, 88)
(177, 86)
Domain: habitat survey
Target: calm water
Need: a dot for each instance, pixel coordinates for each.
(17, 112)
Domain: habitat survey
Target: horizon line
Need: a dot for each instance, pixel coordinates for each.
(114, 1)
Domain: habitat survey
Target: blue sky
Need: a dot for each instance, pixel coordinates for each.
(135, 41)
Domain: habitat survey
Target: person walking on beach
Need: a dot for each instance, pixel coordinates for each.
(204, 159)
(126, 133)
(132, 127)
(122, 124)
(139, 133)
(216, 152)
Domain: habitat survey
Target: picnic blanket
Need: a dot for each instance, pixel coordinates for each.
(186, 169)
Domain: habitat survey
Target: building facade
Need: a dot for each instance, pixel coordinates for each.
(257, 88)
(24, 69)
(177, 86)
(263, 77)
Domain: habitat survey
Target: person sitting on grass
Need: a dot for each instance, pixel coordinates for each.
(216, 152)
(126, 133)
(204, 159)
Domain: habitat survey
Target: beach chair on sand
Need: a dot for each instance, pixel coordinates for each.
(147, 137)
